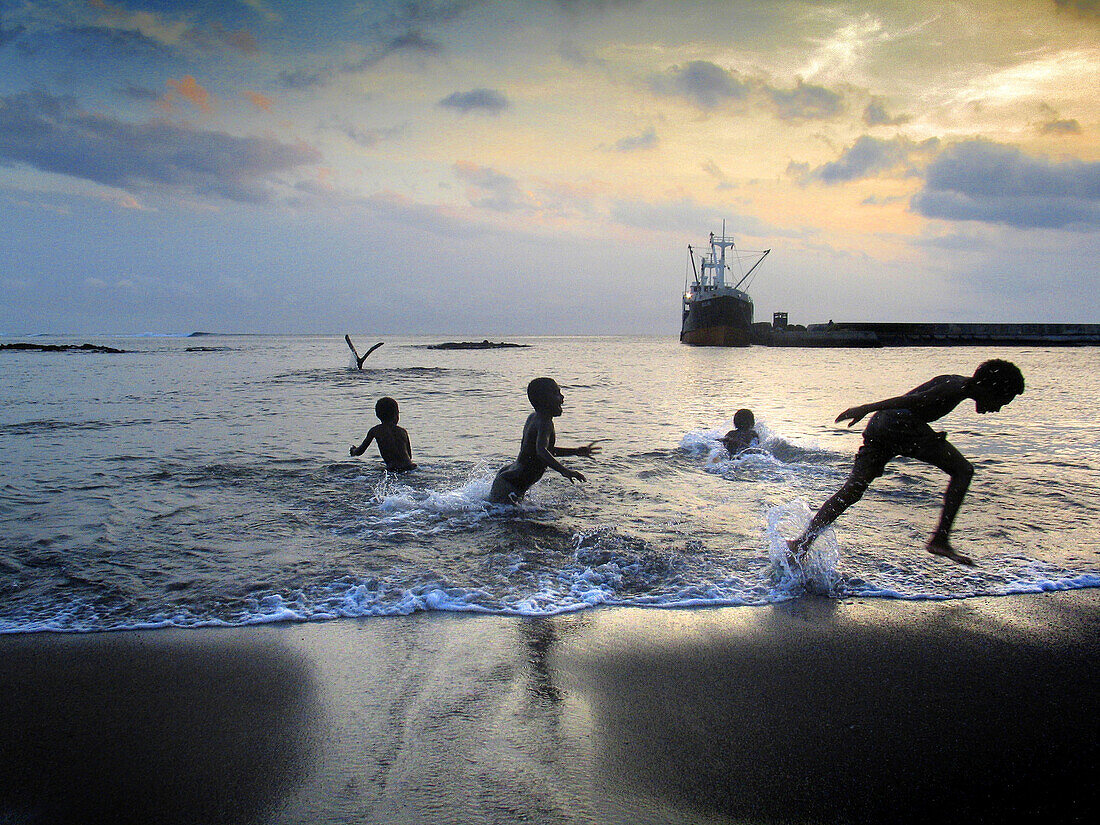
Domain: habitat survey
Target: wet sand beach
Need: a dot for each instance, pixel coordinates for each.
(976, 710)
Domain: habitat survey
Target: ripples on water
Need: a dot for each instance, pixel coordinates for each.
(176, 485)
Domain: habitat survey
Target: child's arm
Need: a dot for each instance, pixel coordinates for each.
(408, 444)
(362, 448)
(951, 388)
(587, 451)
(542, 448)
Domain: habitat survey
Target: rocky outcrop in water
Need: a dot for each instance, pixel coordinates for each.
(61, 348)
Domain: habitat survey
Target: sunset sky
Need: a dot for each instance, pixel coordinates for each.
(517, 167)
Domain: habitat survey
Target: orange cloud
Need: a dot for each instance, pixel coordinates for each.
(260, 101)
(189, 89)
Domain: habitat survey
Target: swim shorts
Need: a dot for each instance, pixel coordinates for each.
(890, 433)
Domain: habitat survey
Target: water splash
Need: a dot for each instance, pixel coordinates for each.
(816, 571)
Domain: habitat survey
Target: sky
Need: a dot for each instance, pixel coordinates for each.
(488, 168)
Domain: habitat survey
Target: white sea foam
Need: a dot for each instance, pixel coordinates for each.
(816, 571)
(393, 494)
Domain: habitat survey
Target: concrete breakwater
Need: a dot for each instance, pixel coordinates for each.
(871, 334)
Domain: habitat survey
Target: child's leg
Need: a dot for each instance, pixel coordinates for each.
(505, 490)
(869, 465)
(942, 453)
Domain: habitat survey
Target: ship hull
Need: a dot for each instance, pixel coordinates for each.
(719, 321)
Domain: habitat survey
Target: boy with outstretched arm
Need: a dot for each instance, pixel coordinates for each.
(393, 441)
(900, 426)
(537, 450)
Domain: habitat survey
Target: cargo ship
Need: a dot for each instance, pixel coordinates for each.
(718, 313)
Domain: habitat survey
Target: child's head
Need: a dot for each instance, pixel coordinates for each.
(744, 420)
(545, 395)
(386, 410)
(995, 383)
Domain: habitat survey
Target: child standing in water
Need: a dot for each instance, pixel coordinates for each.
(900, 426)
(743, 435)
(537, 450)
(393, 441)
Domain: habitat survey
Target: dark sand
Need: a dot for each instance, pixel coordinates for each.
(983, 710)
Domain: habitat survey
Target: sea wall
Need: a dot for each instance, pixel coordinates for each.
(945, 334)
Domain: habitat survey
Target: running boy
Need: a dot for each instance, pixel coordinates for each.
(536, 449)
(393, 441)
(900, 426)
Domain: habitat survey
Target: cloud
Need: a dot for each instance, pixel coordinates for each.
(409, 13)
(978, 180)
(582, 6)
(577, 56)
(409, 42)
(404, 212)
(52, 134)
(705, 84)
(875, 115)
(489, 189)
(364, 136)
(260, 101)
(241, 40)
(806, 101)
(140, 93)
(299, 79)
(92, 41)
(683, 216)
(487, 101)
(1060, 127)
(98, 29)
(709, 86)
(412, 42)
(867, 157)
(9, 34)
(712, 169)
(157, 27)
(189, 89)
(1082, 8)
(265, 12)
(635, 143)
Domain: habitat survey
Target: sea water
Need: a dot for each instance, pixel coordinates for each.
(207, 481)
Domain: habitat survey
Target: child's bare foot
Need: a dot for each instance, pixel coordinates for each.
(941, 547)
(796, 549)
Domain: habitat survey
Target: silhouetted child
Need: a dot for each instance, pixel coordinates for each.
(393, 441)
(743, 435)
(536, 449)
(900, 426)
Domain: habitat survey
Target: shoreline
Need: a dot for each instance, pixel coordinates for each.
(862, 710)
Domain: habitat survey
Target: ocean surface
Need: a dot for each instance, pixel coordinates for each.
(206, 481)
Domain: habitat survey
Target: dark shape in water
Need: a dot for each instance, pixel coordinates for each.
(359, 359)
(486, 344)
(61, 348)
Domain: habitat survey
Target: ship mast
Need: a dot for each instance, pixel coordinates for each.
(718, 256)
